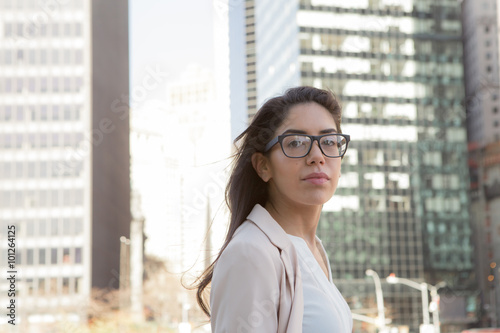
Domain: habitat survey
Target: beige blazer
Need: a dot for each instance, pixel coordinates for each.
(256, 284)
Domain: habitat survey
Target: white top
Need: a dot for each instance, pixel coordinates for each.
(325, 310)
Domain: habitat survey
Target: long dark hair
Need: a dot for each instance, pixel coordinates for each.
(245, 188)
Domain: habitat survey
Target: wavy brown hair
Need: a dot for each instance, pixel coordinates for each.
(245, 188)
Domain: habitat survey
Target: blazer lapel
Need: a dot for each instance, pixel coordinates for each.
(291, 297)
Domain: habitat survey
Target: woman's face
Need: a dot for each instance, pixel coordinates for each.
(309, 180)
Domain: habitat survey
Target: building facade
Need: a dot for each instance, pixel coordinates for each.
(64, 152)
(402, 204)
(481, 63)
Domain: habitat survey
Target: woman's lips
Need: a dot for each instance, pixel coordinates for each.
(317, 178)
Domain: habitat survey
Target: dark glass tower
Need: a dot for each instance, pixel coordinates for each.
(402, 204)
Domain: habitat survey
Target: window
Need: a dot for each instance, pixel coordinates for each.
(495, 110)
(53, 286)
(8, 30)
(78, 282)
(20, 85)
(8, 85)
(31, 170)
(67, 57)
(31, 84)
(43, 57)
(67, 84)
(29, 286)
(5, 170)
(78, 255)
(43, 30)
(41, 286)
(67, 116)
(67, 226)
(44, 112)
(53, 256)
(55, 57)
(78, 29)
(54, 227)
(41, 256)
(67, 29)
(31, 57)
(78, 226)
(56, 113)
(79, 57)
(42, 228)
(43, 169)
(55, 30)
(65, 285)
(29, 257)
(7, 113)
(55, 84)
(66, 256)
(43, 84)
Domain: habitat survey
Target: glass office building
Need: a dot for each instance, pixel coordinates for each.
(64, 155)
(482, 77)
(402, 202)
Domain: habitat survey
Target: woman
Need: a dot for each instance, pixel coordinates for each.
(272, 273)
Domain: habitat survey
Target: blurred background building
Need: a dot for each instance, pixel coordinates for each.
(481, 61)
(402, 205)
(64, 152)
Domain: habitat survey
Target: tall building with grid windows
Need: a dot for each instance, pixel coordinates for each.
(402, 202)
(482, 79)
(64, 151)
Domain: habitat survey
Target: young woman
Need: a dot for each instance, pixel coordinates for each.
(272, 273)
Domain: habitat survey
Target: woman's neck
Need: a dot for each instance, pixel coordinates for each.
(300, 221)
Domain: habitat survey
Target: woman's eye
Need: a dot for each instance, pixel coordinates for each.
(296, 143)
(328, 142)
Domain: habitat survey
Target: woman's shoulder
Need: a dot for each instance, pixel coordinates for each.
(250, 243)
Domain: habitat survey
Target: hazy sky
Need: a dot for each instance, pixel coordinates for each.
(170, 34)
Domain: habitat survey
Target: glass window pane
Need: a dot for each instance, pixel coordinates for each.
(41, 256)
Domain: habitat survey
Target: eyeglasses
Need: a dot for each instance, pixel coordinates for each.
(299, 145)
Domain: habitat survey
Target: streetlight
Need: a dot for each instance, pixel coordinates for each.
(380, 298)
(435, 305)
(425, 297)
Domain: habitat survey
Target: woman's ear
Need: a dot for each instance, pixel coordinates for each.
(260, 164)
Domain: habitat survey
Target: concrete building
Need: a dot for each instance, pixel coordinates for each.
(402, 205)
(482, 82)
(64, 152)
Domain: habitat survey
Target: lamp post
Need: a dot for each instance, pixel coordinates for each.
(435, 305)
(380, 298)
(419, 286)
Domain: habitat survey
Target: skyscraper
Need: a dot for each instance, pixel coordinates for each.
(481, 41)
(64, 150)
(402, 202)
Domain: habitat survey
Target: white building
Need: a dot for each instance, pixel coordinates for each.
(64, 160)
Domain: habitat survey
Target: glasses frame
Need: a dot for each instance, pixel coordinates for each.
(279, 139)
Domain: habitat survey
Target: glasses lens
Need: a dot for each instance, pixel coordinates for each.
(333, 145)
(296, 145)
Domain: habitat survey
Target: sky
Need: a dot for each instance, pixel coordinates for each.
(170, 34)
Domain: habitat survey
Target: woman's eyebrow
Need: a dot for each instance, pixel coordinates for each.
(296, 131)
